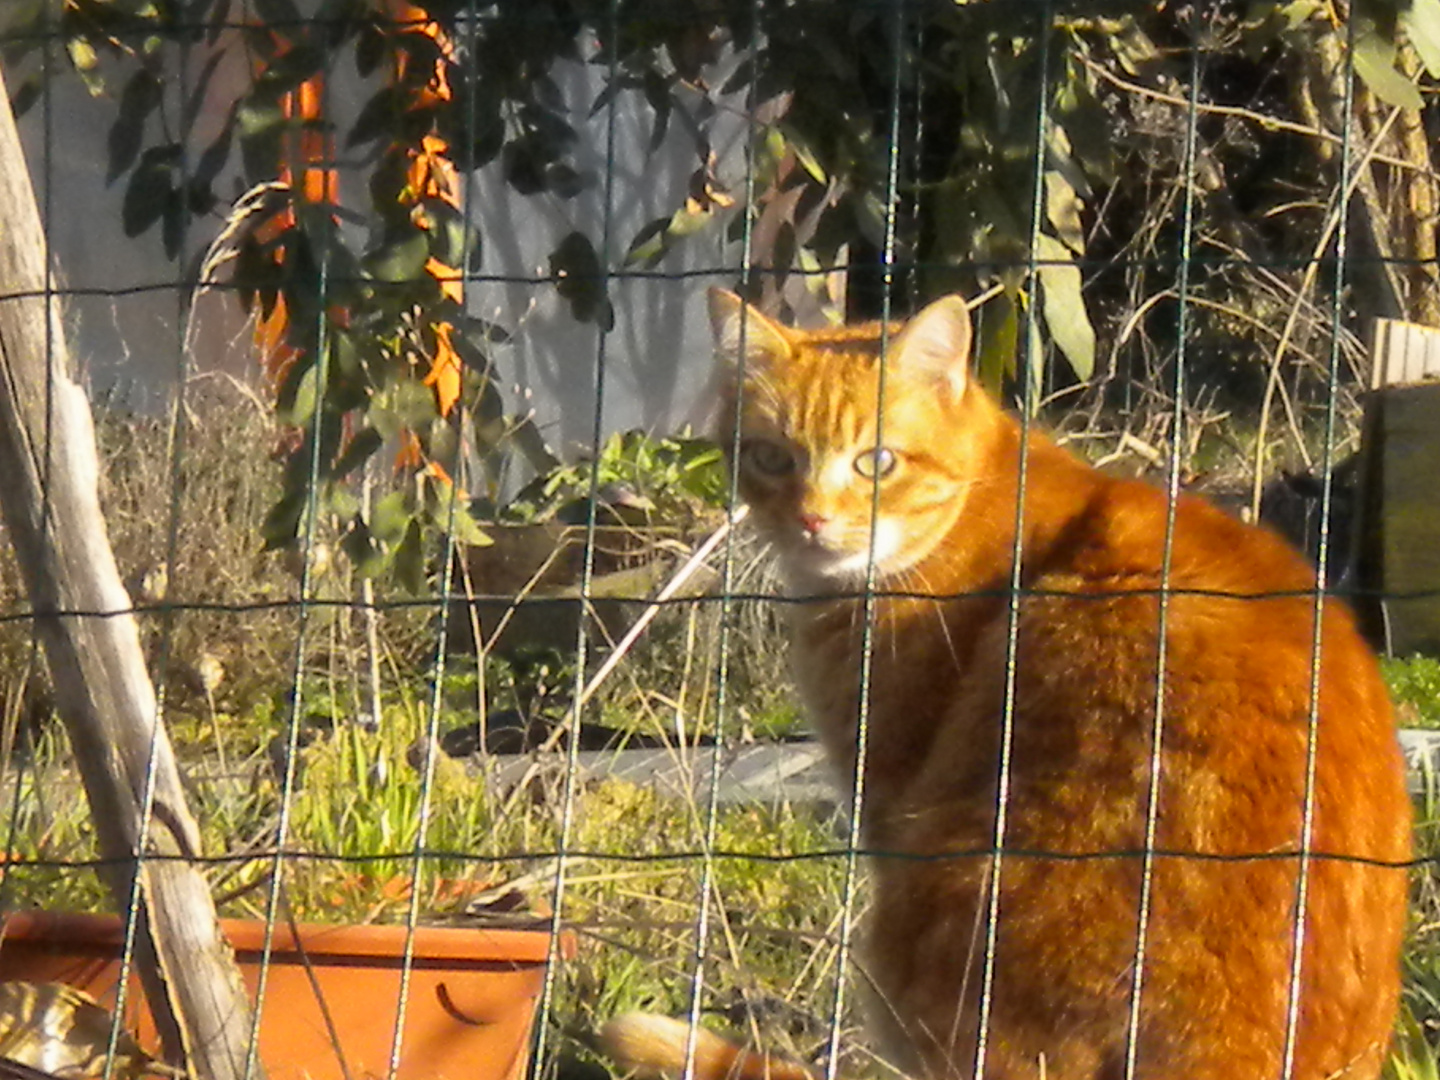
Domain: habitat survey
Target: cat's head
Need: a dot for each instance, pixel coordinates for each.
(816, 453)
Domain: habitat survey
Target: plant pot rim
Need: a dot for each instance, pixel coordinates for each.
(318, 939)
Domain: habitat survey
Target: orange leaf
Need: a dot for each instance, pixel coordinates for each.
(410, 455)
(444, 178)
(431, 174)
(276, 354)
(440, 81)
(448, 277)
(444, 373)
(417, 20)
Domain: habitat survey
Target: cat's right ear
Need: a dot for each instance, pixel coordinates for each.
(737, 325)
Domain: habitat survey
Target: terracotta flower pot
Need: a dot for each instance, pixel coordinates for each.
(470, 1006)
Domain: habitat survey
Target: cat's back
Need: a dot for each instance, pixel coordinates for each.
(1246, 769)
(1250, 688)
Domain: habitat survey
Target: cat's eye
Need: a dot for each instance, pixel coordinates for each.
(767, 458)
(878, 463)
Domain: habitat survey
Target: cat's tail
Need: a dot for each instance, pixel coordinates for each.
(656, 1046)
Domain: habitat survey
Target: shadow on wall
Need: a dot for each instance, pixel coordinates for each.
(656, 360)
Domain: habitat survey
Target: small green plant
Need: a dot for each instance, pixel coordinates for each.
(669, 476)
(1415, 685)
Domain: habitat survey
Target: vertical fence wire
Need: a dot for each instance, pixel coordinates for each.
(726, 586)
(1305, 855)
(1015, 591)
(570, 785)
(175, 453)
(276, 902)
(449, 553)
(1178, 390)
(864, 684)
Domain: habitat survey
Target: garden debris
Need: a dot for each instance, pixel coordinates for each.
(58, 1030)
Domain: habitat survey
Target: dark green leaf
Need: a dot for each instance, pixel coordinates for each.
(564, 181)
(410, 559)
(450, 242)
(403, 260)
(360, 548)
(449, 513)
(292, 68)
(391, 517)
(259, 114)
(657, 95)
(485, 141)
(576, 270)
(261, 124)
(466, 530)
(999, 338)
(295, 402)
(608, 93)
(370, 48)
(254, 270)
(362, 448)
(282, 523)
(411, 403)
(280, 14)
(524, 166)
(649, 244)
(341, 501)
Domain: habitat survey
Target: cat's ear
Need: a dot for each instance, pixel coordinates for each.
(936, 344)
(736, 323)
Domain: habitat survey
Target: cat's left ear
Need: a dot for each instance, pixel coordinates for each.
(936, 344)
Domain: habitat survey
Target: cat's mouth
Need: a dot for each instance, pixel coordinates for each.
(839, 560)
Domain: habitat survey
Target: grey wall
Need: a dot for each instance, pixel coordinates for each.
(125, 314)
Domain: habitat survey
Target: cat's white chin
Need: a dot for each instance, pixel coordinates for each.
(815, 567)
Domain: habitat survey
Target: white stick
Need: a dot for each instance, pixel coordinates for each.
(677, 580)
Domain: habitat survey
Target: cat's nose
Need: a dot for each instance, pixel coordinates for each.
(811, 523)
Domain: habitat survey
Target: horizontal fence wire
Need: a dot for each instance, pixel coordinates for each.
(312, 704)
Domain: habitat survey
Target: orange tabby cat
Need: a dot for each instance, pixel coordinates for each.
(1216, 975)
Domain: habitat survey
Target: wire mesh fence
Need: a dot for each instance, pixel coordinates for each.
(481, 555)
